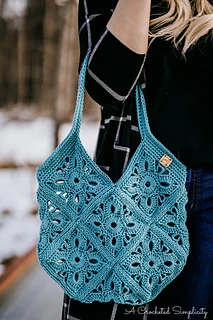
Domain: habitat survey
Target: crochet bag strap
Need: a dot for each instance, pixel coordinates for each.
(140, 104)
(80, 98)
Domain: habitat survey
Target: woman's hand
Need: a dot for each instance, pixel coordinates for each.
(129, 23)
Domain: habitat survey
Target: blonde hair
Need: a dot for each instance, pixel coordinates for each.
(185, 22)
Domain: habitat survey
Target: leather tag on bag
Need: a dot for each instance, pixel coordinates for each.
(166, 160)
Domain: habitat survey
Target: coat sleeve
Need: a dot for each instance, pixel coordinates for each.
(113, 69)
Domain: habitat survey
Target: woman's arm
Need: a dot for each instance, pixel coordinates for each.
(130, 24)
(114, 68)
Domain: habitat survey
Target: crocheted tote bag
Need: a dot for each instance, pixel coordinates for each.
(102, 241)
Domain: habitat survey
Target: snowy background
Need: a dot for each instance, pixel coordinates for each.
(39, 50)
(24, 144)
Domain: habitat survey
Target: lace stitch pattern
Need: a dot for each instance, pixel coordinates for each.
(103, 241)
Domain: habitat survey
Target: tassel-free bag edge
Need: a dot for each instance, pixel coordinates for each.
(104, 284)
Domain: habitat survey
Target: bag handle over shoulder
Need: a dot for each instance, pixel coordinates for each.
(80, 97)
(143, 122)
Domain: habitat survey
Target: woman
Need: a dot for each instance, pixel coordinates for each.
(176, 79)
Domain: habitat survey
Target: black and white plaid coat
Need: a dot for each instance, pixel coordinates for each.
(112, 74)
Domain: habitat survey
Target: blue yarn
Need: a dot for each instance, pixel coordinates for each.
(102, 241)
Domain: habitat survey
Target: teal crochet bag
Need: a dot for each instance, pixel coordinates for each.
(102, 241)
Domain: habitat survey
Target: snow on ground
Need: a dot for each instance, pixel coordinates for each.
(23, 143)
(26, 142)
(31, 142)
(18, 227)
(18, 188)
(18, 236)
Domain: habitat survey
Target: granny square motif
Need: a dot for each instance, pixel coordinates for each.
(102, 241)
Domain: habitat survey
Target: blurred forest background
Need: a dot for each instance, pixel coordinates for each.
(39, 52)
(39, 57)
